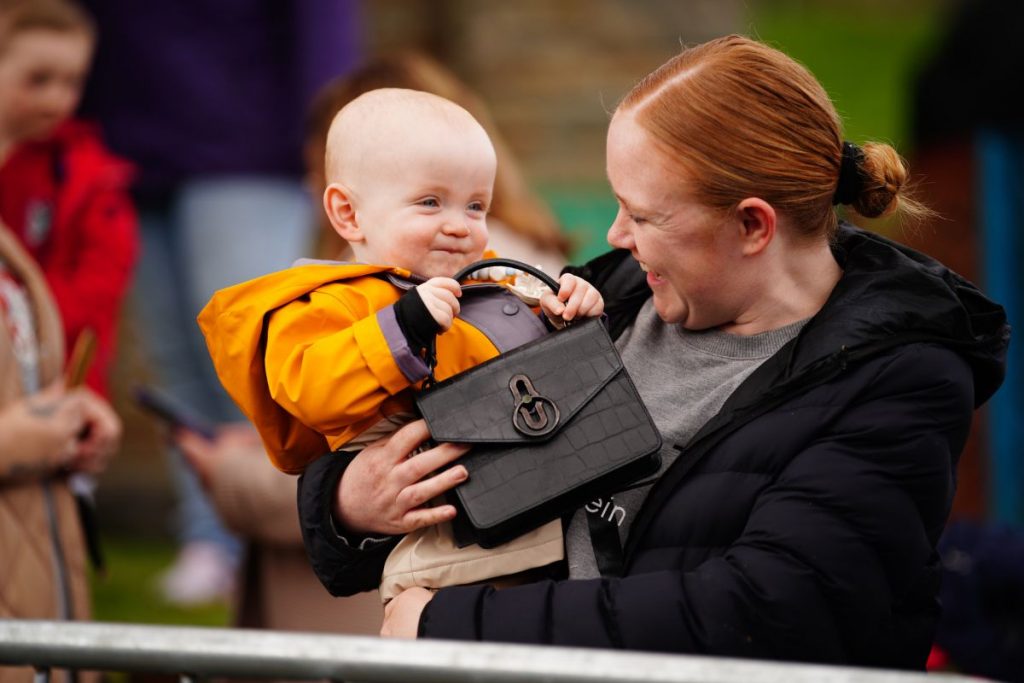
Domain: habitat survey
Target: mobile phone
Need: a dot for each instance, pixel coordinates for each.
(160, 405)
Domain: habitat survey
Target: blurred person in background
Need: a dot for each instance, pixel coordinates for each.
(981, 631)
(61, 192)
(520, 225)
(276, 587)
(47, 433)
(206, 98)
(813, 382)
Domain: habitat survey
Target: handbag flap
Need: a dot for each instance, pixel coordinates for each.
(527, 394)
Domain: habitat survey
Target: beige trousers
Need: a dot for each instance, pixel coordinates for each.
(429, 558)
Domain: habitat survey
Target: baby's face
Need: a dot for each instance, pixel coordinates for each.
(424, 208)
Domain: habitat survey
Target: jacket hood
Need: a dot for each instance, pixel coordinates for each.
(891, 294)
(233, 323)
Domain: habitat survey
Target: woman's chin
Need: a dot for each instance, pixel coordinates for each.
(670, 312)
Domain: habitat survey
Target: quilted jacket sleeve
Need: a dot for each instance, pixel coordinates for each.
(831, 546)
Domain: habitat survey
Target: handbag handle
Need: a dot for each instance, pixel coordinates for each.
(431, 350)
(509, 263)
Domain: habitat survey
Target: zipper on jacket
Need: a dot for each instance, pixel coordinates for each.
(64, 610)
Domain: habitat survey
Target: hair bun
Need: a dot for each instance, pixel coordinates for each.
(883, 174)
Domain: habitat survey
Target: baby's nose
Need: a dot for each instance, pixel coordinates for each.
(455, 227)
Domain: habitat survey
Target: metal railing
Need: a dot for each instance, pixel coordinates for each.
(197, 653)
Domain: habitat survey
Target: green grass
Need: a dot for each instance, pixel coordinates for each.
(128, 593)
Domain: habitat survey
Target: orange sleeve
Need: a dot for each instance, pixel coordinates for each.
(328, 363)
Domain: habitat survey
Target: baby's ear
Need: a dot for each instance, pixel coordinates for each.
(341, 212)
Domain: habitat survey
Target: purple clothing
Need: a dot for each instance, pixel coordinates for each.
(187, 88)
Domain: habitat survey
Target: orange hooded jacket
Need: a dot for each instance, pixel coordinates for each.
(303, 353)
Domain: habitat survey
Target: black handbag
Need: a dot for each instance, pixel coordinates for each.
(553, 424)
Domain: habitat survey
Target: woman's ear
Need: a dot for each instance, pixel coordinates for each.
(757, 224)
(341, 212)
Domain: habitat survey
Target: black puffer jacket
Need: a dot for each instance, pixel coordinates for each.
(801, 522)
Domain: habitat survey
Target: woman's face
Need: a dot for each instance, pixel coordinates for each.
(690, 252)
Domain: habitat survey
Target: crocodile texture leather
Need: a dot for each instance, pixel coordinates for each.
(604, 437)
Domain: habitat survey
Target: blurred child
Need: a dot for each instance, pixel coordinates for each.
(329, 355)
(61, 192)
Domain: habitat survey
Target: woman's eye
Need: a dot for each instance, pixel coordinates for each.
(637, 219)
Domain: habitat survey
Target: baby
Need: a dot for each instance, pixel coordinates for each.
(330, 354)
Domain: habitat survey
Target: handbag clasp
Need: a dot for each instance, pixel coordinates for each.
(533, 414)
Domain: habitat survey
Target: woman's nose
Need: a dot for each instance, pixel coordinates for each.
(619, 234)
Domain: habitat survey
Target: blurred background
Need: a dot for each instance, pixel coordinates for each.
(939, 79)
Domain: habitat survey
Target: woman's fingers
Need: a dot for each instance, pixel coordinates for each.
(422, 464)
(399, 445)
(422, 517)
(419, 492)
(384, 489)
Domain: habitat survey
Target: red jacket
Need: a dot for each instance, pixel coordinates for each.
(66, 198)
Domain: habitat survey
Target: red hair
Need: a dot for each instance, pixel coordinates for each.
(742, 120)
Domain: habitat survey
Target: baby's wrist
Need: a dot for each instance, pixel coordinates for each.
(415, 320)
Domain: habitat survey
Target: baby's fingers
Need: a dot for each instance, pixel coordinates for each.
(551, 306)
(575, 302)
(567, 284)
(444, 283)
(593, 303)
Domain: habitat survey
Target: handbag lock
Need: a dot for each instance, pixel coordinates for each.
(533, 414)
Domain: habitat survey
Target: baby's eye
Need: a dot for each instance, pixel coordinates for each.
(430, 202)
(477, 207)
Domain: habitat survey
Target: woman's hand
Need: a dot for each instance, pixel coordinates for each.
(38, 433)
(576, 298)
(204, 455)
(402, 613)
(98, 437)
(384, 489)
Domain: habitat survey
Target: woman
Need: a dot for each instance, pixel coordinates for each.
(47, 432)
(814, 384)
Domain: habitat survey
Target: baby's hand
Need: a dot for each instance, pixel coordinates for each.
(440, 296)
(576, 297)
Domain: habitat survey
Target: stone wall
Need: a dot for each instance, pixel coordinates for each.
(550, 70)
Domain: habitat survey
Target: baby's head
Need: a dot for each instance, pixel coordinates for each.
(410, 177)
(45, 50)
